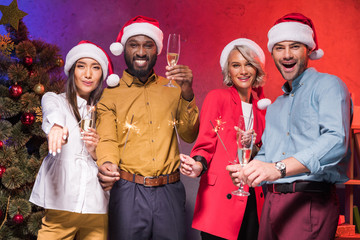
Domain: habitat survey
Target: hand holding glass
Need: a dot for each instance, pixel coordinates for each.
(173, 52)
(87, 121)
(244, 140)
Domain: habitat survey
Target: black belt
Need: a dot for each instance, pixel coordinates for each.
(300, 186)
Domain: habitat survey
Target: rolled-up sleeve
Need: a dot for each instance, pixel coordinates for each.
(188, 116)
(334, 122)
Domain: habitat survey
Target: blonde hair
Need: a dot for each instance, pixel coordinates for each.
(250, 56)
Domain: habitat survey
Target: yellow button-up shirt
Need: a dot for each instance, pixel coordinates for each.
(136, 125)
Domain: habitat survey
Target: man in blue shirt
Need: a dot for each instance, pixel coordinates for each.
(306, 140)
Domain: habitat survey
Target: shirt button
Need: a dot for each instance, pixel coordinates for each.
(153, 159)
(152, 140)
(287, 134)
(292, 94)
(147, 103)
(283, 153)
(150, 122)
(228, 196)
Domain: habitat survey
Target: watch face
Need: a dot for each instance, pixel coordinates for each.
(280, 165)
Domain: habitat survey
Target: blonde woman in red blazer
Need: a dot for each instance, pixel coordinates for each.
(219, 214)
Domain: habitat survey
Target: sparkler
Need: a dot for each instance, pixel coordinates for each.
(129, 126)
(176, 131)
(218, 135)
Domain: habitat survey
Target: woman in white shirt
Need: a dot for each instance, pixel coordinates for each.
(67, 185)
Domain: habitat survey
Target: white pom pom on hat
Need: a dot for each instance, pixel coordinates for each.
(113, 80)
(139, 25)
(263, 102)
(295, 27)
(116, 48)
(89, 49)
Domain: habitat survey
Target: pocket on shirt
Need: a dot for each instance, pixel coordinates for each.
(302, 119)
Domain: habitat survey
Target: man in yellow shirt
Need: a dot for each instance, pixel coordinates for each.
(138, 154)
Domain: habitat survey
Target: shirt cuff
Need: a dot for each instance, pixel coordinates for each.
(51, 119)
(188, 106)
(203, 162)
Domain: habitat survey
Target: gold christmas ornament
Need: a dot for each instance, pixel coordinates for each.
(39, 89)
(6, 45)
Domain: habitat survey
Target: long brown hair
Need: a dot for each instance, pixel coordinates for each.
(71, 93)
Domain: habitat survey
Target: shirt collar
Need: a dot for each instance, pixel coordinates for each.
(130, 79)
(297, 82)
(80, 102)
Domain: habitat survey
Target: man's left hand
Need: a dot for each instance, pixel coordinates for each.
(183, 76)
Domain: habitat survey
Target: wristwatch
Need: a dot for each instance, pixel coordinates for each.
(281, 167)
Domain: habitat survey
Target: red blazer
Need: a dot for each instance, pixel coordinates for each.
(217, 211)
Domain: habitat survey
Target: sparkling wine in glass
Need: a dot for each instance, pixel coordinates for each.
(244, 140)
(173, 52)
(87, 121)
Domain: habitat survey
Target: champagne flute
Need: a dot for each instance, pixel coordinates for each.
(244, 140)
(173, 52)
(87, 121)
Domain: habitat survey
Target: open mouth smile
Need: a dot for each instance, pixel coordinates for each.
(288, 67)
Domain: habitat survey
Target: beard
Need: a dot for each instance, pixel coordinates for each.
(140, 73)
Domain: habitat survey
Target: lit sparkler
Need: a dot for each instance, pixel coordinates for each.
(176, 131)
(216, 129)
(219, 124)
(129, 127)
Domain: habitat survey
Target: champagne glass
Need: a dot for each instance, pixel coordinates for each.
(244, 140)
(87, 121)
(173, 52)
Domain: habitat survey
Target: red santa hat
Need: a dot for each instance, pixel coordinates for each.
(91, 50)
(139, 25)
(263, 102)
(295, 27)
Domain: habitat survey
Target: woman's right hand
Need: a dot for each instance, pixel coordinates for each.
(57, 137)
(189, 167)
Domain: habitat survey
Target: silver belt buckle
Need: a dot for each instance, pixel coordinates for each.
(145, 185)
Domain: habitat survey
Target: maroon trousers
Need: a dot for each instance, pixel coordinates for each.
(300, 216)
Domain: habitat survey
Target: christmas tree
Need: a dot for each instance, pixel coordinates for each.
(28, 69)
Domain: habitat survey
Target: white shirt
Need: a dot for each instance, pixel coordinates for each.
(247, 112)
(67, 182)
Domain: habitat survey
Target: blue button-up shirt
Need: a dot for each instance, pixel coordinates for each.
(310, 123)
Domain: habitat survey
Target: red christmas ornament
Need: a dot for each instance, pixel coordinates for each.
(28, 61)
(18, 218)
(27, 119)
(59, 62)
(15, 90)
(2, 171)
(1, 144)
(31, 73)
